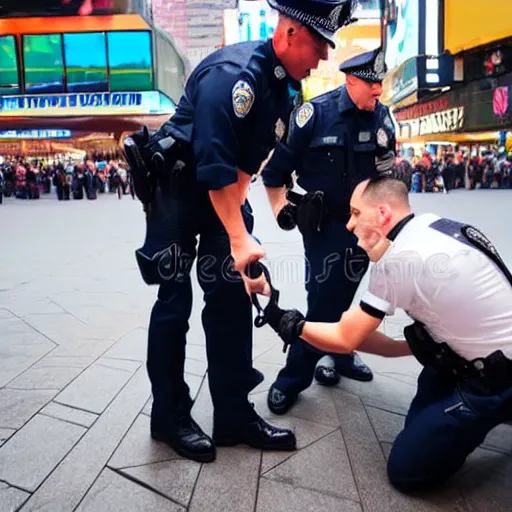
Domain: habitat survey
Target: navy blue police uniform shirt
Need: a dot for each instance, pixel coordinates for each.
(332, 146)
(235, 107)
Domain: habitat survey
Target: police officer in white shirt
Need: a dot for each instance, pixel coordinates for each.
(450, 279)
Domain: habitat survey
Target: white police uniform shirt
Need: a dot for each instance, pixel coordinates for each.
(456, 291)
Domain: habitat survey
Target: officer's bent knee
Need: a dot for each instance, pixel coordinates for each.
(406, 479)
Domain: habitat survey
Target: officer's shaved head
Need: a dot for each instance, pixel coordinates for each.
(385, 190)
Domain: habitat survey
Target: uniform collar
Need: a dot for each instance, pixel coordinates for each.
(399, 226)
(279, 73)
(345, 101)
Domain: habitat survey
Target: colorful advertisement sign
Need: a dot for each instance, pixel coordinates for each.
(35, 134)
(256, 20)
(472, 23)
(86, 104)
(402, 32)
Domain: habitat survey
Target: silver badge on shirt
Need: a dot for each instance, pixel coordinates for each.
(365, 136)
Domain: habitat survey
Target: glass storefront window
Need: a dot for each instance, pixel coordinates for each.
(9, 80)
(86, 62)
(130, 61)
(44, 70)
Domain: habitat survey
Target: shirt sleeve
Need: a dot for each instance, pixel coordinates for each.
(222, 103)
(286, 156)
(379, 299)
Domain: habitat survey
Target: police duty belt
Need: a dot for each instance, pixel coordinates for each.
(327, 210)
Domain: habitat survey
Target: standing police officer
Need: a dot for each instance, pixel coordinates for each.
(334, 142)
(192, 177)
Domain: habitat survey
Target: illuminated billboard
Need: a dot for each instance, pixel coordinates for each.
(9, 79)
(402, 32)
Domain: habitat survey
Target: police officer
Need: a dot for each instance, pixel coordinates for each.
(334, 141)
(451, 280)
(192, 177)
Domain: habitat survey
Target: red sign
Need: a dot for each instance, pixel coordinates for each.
(422, 109)
(500, 101)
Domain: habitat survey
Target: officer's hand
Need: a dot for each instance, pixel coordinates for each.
(258, 285)
(287, 323)
(287, 217)
(385, 163)
(246, 251)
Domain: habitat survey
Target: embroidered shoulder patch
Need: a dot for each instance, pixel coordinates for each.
(304, 114)
(382, 138)
(388, 123)
(242, 97)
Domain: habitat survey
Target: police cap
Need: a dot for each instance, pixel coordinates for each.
(369, 66)
(324, 17)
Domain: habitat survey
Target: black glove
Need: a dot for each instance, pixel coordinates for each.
(287, 217)
(288, 323)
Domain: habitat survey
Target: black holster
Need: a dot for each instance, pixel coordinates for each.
(487, 375)
(310, 211)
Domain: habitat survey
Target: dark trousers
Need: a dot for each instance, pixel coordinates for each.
(445, 423)
(190, 228)
(334, 269)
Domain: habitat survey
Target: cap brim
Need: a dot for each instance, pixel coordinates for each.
(325, 35)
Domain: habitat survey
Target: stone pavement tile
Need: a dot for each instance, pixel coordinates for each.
(269, 371)
(272, 355)
(5, 433)
(20, 347)
(500, 439)
(33, 452)
(387, 425)
(76, 416)
(197, 352)
(195, 367)
(202, 410)
(194, 383)
(95, 388)
(314, 404)
(306, 433)
(174, 479)
(369, 467)
(17, 407)
(230, 483)
(22, 304)
(323, 466)
(111, 492)
(65, 487)
(394, 366)
(264, 340)
(64, 327)
(11, 498)
(281, 497)
(83, 348)
(138, 448)
(485, 481)
(133, 345)
(382, 392)
(45, 377)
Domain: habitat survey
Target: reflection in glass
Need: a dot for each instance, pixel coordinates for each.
(86, 62)
(43, 63)
(9, 82)
(130, 61)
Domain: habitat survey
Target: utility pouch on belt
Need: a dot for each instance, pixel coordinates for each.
(310, 210)
(484, 375)
(153, 160)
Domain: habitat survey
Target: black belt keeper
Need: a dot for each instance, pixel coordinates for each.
(488, 375)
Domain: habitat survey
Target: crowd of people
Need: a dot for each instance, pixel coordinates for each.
(451, 170)
(97, 173)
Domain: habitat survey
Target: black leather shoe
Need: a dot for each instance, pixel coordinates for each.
(279, 402)
(354, 368)
(186, 439)
(326, 376)
(258, 434)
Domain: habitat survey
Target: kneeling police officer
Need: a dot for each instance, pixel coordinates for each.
(334, 141)
(192, 176)
(452, 281)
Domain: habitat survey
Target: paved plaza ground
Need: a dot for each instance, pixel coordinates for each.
(75, 397)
